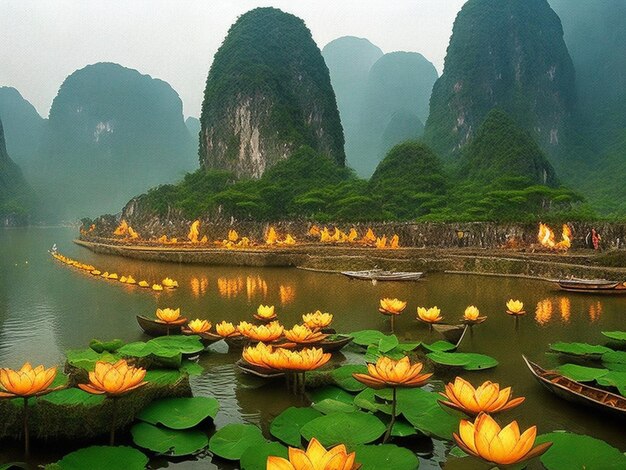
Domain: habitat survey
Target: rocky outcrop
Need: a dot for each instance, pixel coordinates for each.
(508, 54)
(268, 93)
(395, 105)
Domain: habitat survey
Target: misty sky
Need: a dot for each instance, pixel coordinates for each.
(43, 41)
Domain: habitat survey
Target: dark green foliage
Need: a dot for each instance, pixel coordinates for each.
(268, 92)
(508, 54)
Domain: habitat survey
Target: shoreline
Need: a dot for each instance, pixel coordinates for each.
(335, 258)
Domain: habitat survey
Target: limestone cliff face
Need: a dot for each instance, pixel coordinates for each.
(508, 54)
(268, 92)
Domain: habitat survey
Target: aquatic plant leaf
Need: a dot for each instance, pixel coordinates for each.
(255, 458)
(104, 458)
(388, 343)
(231, 441)
(406, 347)
(615, 379)
(86, 358)
(191, 368)
(441, 346)
(468, 361)
(330, 391)
(579, 349)
(186, 344)
(571, 450)
(344, 428)
(73, 397)
(367, 400)
(367, 337)
(180, 413)
(163, 376)
(401, 428)
(385, 456)
(343, 377)
(614, 360)
(286, 426)
(108, 346)
(329, 405)
(169, 441)
(615, 335)
(581, 373)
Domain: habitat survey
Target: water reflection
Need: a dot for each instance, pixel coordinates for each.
(595, 311)
(561, 307)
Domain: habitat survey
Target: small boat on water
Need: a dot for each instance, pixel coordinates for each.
(577, 392)
(592, 286)
(381, 275)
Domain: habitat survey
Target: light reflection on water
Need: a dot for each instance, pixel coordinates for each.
(47, 308)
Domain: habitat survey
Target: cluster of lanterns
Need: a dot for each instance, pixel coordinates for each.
(166, 283)
(369, 239)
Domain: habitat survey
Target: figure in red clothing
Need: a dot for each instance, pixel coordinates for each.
(595, 239)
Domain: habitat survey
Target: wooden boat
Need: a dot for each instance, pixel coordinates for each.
(380, 275)
(592, 286)
(452, 333)
(332, 345)
(154, 328)
(258, 371)
(577, 392)
(205, 338)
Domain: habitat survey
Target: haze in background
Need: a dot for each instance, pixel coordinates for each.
(41, 43)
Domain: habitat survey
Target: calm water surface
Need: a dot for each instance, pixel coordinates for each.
(47, 308)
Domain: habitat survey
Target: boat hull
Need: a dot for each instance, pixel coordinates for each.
(379, 275)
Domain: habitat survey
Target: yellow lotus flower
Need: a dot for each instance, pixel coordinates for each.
(169, 283)
(258, 355)
(265, 312)
(316, 457)
(95, 272)
(130, 280)
(487, 397)
(431, 315)
(26, 382)
(486, 440)
(390, 373)
(157, 287)
(143, 284)
(471, 313)
(265, 333)
(395, 242)
(226, 329)
(283, 359)
(123, 279)
(112, 276)
(381, 242)
(303, 334)
(317, 319)
(114, 379)
(105, 274)
(289, 240)
(199, 326)
(515, 307)
(169, 315)
(233, 236)
(391, 306)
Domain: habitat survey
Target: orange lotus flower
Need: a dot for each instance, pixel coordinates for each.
(381, 242)
(325, 236)
(369, 236)
(265, 333)
(289, 240)
(112, 276)
(114, 379)
(157, 287)
(194, 231)
(314, 231)
(271, 238)
(123, 279)
(233, 236)
(390, 373)
(132, 234)
(26, 382)
(487, 397)
(199, 326)
(170, 316)
(431, 315)
(143, 284)
(258, 355)
(130, 280)
(302, 334)
(501, 446)
(471, 313)
(265, 312)
(395, 242)
(169, 283)
(95, 272)
(317, 320)
(226, 329)
(162, 239)
(515, 307)
(391, 306)
(316, 457)
(122, 228)
(285, 360)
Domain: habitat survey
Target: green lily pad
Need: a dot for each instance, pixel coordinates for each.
(573, 451)
(179, 413)
(440, 346)
(468, 361)
(166, 349)
(255, 458)
(579, 349)
(169, 441)
(581, 373)
(108, 346)
(344, 428)
(401, 428)
(286, 426)
(329, 405)
(385, 456)
(104, 458)
(73, 397)
(614, 360)
(330, 391)
(191, 368)
(367, 400)
(343, 377)
(231, 441)
(614, 379)
(387, 343)
(615, 335)
(367, 337)
(406, 347)
(86, 358)
(163, 376)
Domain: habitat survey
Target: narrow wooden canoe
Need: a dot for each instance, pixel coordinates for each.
(577, 392)
(452, 333)
(258, 371)
(154, 328)
(380, 275)
(592, 286)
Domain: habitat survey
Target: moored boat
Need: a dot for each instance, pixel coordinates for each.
(380, 275)
(592, 286)
(577, 392)
(156, 328)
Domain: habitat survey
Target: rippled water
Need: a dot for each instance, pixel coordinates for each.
(47, 308)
